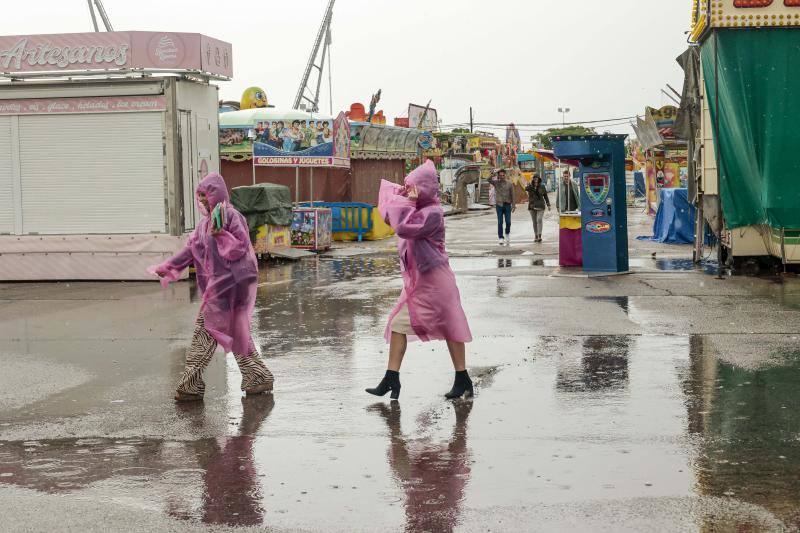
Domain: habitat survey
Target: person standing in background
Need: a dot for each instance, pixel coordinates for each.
(505, 204)
(569, 199)
(537, 201)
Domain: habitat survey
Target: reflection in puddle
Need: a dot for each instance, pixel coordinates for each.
(748, 422)
(433, 476)
(220, 472)
(603, 365)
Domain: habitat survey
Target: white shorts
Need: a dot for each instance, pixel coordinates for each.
(401, 323)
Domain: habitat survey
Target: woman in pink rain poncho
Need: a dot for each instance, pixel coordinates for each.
(227, 275)
(429, 307)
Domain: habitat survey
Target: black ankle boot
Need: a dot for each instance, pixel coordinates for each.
(390, 382)
(462, 386)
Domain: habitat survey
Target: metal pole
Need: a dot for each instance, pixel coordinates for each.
(330, 77)
(103, 16)
(311, 180)
(559, 179)
(94, 18)
(471, 130)
(297, 185)
(698, 227)
(717, 146)
(783, 248)
(254, 170)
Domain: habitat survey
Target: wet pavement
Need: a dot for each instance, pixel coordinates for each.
(664, 400)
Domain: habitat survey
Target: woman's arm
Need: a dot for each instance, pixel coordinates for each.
(543, 191)
(170, 270)
(418, 224)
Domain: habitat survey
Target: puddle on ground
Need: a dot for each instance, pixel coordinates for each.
(708, 267)
(611, 410)
(568, 419)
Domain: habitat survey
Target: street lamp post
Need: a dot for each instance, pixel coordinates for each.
(563, 111)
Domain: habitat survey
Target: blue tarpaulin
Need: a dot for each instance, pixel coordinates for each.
(674, 222)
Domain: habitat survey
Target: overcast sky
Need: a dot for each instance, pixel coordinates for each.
(512, 60)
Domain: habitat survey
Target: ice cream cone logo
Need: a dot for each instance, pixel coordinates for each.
(166, 50)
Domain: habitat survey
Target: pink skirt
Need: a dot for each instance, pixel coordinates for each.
(434, 307)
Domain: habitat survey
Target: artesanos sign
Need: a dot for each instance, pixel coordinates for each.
(22, 55)
(116, 51)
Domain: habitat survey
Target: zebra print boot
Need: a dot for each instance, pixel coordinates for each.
(191, 386)
(256, 377)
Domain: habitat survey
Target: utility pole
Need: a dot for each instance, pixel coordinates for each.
(471, 130)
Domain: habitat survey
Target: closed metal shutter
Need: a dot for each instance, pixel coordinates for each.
(6, 178)
(93, 173)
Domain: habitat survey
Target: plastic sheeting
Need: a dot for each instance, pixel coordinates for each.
(674, 223)
(261, 204)
(759, 83)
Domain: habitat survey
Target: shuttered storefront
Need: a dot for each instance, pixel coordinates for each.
(100, 173)
(6, 178)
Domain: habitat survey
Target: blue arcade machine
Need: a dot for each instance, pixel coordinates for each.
(604, 215)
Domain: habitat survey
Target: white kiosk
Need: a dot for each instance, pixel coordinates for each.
(103, 138)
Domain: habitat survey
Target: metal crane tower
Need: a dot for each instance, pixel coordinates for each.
(102, 12)
(308, 91)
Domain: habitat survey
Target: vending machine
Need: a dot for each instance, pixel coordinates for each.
(604, 215)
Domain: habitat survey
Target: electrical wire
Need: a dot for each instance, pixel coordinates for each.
(534, 130)
(556, 124)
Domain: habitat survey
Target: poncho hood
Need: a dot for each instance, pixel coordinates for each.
(425, 179)
(213, 186)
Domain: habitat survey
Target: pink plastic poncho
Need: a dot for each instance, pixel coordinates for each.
(227, 271)
(429, 285)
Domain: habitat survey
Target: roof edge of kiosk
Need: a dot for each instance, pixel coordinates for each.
(601, 137)
(111, 133)
(114, 53)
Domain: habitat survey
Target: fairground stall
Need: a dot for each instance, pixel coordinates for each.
(379, 152)
(451, 151)
(291, 147)
(103, 139)
(749, 81)
(666, 155)
(318, 143)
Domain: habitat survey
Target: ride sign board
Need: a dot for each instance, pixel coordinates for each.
(708, 14)
(116, 50)
(309, 142)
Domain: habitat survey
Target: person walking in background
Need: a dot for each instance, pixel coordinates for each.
(569, 199)
(537, 201)
(505, 204)
(227, 276)
(429, 307)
